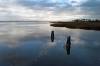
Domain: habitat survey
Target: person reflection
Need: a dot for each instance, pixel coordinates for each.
(68, 45)
(68, 50)
(52, 36)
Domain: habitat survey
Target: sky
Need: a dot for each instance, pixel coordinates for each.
(52, 10)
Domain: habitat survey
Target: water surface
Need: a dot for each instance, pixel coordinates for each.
(29, 44)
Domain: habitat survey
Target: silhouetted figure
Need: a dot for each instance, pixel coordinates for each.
(68, 40)
(68, 45)
(52, 36)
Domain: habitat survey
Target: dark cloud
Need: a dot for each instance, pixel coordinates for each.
(92, 6)
(88, 6)
(31, 3)
(91, 3)
(43, 4)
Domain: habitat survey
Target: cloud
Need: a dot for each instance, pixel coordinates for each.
(76, 2)
(48, 9)
(91, 7)
(6, 8)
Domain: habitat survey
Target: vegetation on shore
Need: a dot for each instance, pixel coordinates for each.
(86, 24)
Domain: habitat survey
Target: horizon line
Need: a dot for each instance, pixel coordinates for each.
(24, 21)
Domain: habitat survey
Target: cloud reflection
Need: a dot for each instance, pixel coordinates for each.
(12, 32)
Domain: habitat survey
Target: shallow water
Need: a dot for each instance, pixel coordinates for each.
(29, 44)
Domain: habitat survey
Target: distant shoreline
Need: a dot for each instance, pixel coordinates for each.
(93, 25)
(24, 21)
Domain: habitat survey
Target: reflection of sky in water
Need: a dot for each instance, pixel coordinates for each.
(13, 32)
(28, 44)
